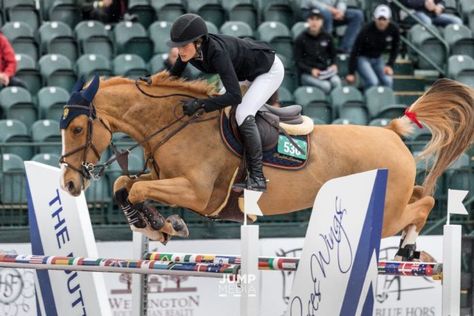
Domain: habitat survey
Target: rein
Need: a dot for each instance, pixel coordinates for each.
(95, 172)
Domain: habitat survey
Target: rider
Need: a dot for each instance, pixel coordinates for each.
(235, 60)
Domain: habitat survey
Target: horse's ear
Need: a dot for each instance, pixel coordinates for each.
(78, 85)
(91, 90)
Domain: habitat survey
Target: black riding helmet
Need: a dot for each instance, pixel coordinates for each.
(186, 29)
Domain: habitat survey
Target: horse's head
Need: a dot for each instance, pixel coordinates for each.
(84, 137)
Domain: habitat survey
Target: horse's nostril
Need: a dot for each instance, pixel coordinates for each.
(70, 186)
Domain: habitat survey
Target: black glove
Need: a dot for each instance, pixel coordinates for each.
(191, 106)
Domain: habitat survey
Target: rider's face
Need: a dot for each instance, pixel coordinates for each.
(187, 52)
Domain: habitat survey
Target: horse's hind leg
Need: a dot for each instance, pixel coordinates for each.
(415, 216)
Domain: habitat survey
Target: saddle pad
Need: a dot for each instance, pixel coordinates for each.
(271, 157)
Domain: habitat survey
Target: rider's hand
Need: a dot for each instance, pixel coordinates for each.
(191, 106)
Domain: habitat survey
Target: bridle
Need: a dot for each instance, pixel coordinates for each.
(89, 171)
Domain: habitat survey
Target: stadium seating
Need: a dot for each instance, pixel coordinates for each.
(297, 29)
(27, 71)
(14, 131)
(22, 38)
(461, 68)
(57, 71)
(143, 10)
(156, 63)
(47, 159)
(378, 97)
(66, 11)
(460, 39)
(51, 101)
(132, 38)
(13, 189)
(212, 28)
(349, 103)
(429, 44)
(315, 103)
(22, 11)
(276, 10)
(160, 34)
(17, 103)
(285, 97)
(209, 10)
(129, 65)
(278, 35)
(57, 38)
(237, 29)
(44, 131)
(93, 38)
(241, 10)
(88, 65)
(168, 10)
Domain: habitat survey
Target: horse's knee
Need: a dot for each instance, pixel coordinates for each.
(137, 193)
(122, 182)
(417, 193)
(423, 209)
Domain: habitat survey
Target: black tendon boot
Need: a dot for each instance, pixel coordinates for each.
(253, 153)
(131, 213)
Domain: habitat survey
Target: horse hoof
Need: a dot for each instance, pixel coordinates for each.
(179, 226)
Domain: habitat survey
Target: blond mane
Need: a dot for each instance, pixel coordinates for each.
(163, 79)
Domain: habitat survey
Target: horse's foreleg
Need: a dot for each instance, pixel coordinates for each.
(175, 191)
(415, 216)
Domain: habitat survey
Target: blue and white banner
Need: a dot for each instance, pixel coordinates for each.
(337, 273)
(66, 230)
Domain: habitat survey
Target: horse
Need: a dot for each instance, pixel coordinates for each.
(193, 168)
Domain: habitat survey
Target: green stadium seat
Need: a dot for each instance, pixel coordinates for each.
(129, 65)
(343, 95)
(93, 38)
(209, 10)
(241, 10)
(143, 10)
(461, 68)
(47, 131)
(285, 97)
(462, 161)
(168, 10)
(462, 179)
(278, 35)
(156, 63)
(57, 71)
(298, 28)
(381, 122)
(417, 140)
(13, 189)
(429, 44)
(237, 29)
(343, 121)
(66, 11)
(27, 71)
(318, 121)
(377, 97)
(88, 65)
(349, 104)
(99, 191)
(135, 165)
(57, 38)
(15, 131)
(211, 27)
(22, 38)
(342, 62)
(51, 101)
(277, 10)
(132, 38)
(290, 80)
(22, 11)
(160, 34)
(315, 103)
(123, 142)
(460, 39)
(47, 159)
(467, 7)
(17, 103)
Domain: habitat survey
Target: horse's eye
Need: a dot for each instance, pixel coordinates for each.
(77, 130)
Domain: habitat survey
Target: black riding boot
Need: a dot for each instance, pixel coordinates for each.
(253, 153)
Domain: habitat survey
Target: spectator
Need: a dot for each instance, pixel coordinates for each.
(431, 12)
(8, 64)
(371, 42)
(106, 11)
(315, 55)
(171, 60)
(335, 12)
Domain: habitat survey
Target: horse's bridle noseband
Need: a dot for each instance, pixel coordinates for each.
(89, 171)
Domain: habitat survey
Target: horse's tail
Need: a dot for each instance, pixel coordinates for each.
(447, 109)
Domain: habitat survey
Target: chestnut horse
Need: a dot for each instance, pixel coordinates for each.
(193, 169)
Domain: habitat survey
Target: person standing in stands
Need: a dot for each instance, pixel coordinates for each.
(336, 12)
(8, 64)
(431, 12)
(315, 55)
(366, 56)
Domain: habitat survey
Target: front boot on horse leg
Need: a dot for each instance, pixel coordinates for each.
(131, 213)
(254, 155)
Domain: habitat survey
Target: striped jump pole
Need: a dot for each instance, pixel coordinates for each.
(402, 268)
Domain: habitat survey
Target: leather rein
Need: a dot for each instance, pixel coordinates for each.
(92, 171)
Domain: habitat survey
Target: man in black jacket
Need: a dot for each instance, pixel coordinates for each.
(431, 12)
(372, 41)
(315, 55)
